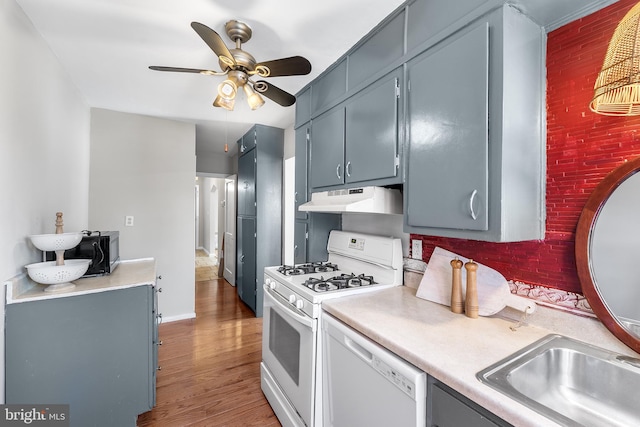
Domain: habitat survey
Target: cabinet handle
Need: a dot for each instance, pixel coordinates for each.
(347, 169)
(159, 316)
(295, 197)
(338, 172)
(159, 368)
(242, 258)
(474, 215)
(295, 250)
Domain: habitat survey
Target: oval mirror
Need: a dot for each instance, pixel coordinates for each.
(608, 252)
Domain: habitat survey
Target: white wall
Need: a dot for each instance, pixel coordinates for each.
(216, 163)
(145, 167)
(44, 148)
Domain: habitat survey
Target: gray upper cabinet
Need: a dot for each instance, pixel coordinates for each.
(448, 121)
(427, 18)
(303, 107)
(358, 141)
(326, 150)
(302, 136)
(484, 81)
(329, 87)
(372, 138)
(384, 47)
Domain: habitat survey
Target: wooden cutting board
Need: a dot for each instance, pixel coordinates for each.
(493, 290)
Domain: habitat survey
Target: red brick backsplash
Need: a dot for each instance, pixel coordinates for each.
(582, 147)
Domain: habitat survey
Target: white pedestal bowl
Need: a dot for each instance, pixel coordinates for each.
(58, 277)
(56, 242)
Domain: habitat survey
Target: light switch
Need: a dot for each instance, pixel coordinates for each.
(128, 221)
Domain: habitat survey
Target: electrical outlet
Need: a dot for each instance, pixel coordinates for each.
(416, 249)
(128, 221)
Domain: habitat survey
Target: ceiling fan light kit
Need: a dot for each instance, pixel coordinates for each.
(239, 66)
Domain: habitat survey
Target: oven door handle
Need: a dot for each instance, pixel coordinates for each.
(288, 309)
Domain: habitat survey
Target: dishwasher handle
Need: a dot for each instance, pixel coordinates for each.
(358, 350)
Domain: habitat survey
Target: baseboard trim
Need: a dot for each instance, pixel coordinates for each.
(168, 319)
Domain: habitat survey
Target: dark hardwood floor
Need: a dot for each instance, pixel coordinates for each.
(211, 364)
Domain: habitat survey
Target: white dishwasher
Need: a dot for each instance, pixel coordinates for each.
(366, 384)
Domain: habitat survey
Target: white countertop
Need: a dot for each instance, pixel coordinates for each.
(453, 348)
(129, 273)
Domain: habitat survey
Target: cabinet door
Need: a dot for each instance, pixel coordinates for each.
(448, 132)
(446, 410)
(93, 352)
(302, 145)
(300, 242)
(372, 131)
(247, 184)
(248, 141)
(326, 149)
(246, 268)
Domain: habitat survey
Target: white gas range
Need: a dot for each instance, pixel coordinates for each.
(291, 345)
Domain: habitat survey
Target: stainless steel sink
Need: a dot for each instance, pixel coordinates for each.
(571, 382)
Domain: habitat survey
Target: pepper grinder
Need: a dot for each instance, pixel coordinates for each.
(457, 305)
(471, 302)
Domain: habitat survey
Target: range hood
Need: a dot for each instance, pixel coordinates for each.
(377, 200)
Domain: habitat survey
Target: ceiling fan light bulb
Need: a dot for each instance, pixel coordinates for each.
(227, 89)
(223, 102)
(254, 100)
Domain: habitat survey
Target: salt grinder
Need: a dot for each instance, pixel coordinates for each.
(456, 286)
(471, 302)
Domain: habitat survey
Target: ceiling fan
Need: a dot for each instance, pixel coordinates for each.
(240, 67)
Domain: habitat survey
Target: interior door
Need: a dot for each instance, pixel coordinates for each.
(230, 229)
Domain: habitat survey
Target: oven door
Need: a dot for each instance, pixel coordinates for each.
(289, 351)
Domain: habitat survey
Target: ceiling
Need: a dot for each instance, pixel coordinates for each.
(106, 47)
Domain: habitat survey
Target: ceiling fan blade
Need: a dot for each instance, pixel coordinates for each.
(274, 93)
(213, 40)
(292, 66)
(184, 70)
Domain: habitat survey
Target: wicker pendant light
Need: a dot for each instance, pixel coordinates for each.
(617, 89)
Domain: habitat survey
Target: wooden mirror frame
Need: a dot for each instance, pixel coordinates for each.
(589, 214)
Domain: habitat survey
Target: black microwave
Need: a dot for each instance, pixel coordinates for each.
(101, 247)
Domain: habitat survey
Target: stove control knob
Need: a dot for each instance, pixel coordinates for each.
(272, 284)
(299, 304)
(292, 299)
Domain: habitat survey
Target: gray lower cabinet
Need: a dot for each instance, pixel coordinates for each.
(447, 408)
(96, 352)
(300, 236)
(476, 149)
(358, 141)
(259, 221)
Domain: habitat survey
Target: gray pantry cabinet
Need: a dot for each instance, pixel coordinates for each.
(475, 135)
(96, 352)
(259, 221)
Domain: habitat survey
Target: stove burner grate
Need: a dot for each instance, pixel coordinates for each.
(307, 268)
(343, 281)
